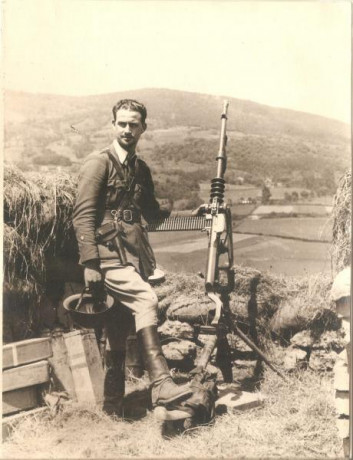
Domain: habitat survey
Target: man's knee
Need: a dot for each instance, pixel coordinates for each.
(147, 316)
(152, 301)
(127, 286)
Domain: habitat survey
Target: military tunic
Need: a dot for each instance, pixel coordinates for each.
(99, 192)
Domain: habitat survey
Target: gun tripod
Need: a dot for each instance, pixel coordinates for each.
(219, 276)
(218, 330)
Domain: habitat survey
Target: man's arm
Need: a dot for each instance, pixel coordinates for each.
(89, 198)
(151, 209)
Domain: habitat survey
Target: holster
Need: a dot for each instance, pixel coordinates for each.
(109, 234)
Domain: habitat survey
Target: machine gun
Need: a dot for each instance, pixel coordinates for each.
(219, 277)
(215, 218)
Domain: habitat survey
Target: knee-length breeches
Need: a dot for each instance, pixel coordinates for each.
(127, 286)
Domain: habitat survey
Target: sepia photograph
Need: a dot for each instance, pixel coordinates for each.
(176, 229)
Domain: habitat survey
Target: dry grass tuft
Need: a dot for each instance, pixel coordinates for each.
(306, 299)
(296, 421)
(37, 215)
(342, 222)
(177, 285)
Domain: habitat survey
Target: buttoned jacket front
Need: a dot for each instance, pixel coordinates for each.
(99, 192)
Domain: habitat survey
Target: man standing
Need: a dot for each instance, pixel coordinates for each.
(117, 185)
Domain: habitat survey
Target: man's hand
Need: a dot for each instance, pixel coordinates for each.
(92, 276)
(94, 282)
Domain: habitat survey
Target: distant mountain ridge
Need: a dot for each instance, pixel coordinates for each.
(173, 107)
(182, 135)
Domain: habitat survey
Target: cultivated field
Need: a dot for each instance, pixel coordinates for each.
(187, 251)
(307, 228)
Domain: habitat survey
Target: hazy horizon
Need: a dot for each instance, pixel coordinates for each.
(293, 55)
(38, 93)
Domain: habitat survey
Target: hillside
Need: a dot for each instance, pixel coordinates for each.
(183, 128)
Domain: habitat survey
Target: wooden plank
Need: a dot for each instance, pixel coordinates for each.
(26, 351)
(342, 402)
(25, 376)
(19, 400)
(343, 427)
(340, 376)
(234, 401)
(95, 365)
(86, 365)
(60, 364)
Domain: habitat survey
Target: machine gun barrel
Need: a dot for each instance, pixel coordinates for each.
(215, 208)
(222, 157)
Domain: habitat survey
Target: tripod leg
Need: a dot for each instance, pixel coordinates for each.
(224, 359)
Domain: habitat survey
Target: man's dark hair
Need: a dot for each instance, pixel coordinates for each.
(130, 104)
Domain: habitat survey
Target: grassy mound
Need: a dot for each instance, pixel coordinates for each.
(257, 297)
(37, 218)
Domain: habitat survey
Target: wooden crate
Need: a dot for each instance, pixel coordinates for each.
(27, 351)
(18, 400)
(25, 376)
(86, 365)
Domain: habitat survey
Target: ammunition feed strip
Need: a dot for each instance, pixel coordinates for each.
(179, 223)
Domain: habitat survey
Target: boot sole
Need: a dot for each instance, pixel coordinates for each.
(165, 402)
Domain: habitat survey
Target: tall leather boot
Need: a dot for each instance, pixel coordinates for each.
(164, 390)
(114, 383)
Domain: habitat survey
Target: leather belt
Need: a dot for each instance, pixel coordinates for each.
(127, 215)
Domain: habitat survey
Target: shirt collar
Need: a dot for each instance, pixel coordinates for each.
(123, 155)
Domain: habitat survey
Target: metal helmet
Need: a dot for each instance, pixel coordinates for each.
(87, 310)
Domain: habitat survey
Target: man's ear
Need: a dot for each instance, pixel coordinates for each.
(144, 126)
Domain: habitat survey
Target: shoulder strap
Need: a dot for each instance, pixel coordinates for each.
(117, 165)
(127, 193)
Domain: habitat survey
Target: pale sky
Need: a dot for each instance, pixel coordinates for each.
(286, 54)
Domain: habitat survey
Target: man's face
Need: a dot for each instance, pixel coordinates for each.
(128, 128)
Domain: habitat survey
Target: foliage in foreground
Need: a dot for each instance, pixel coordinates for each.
(297, 420)
(342, 224)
